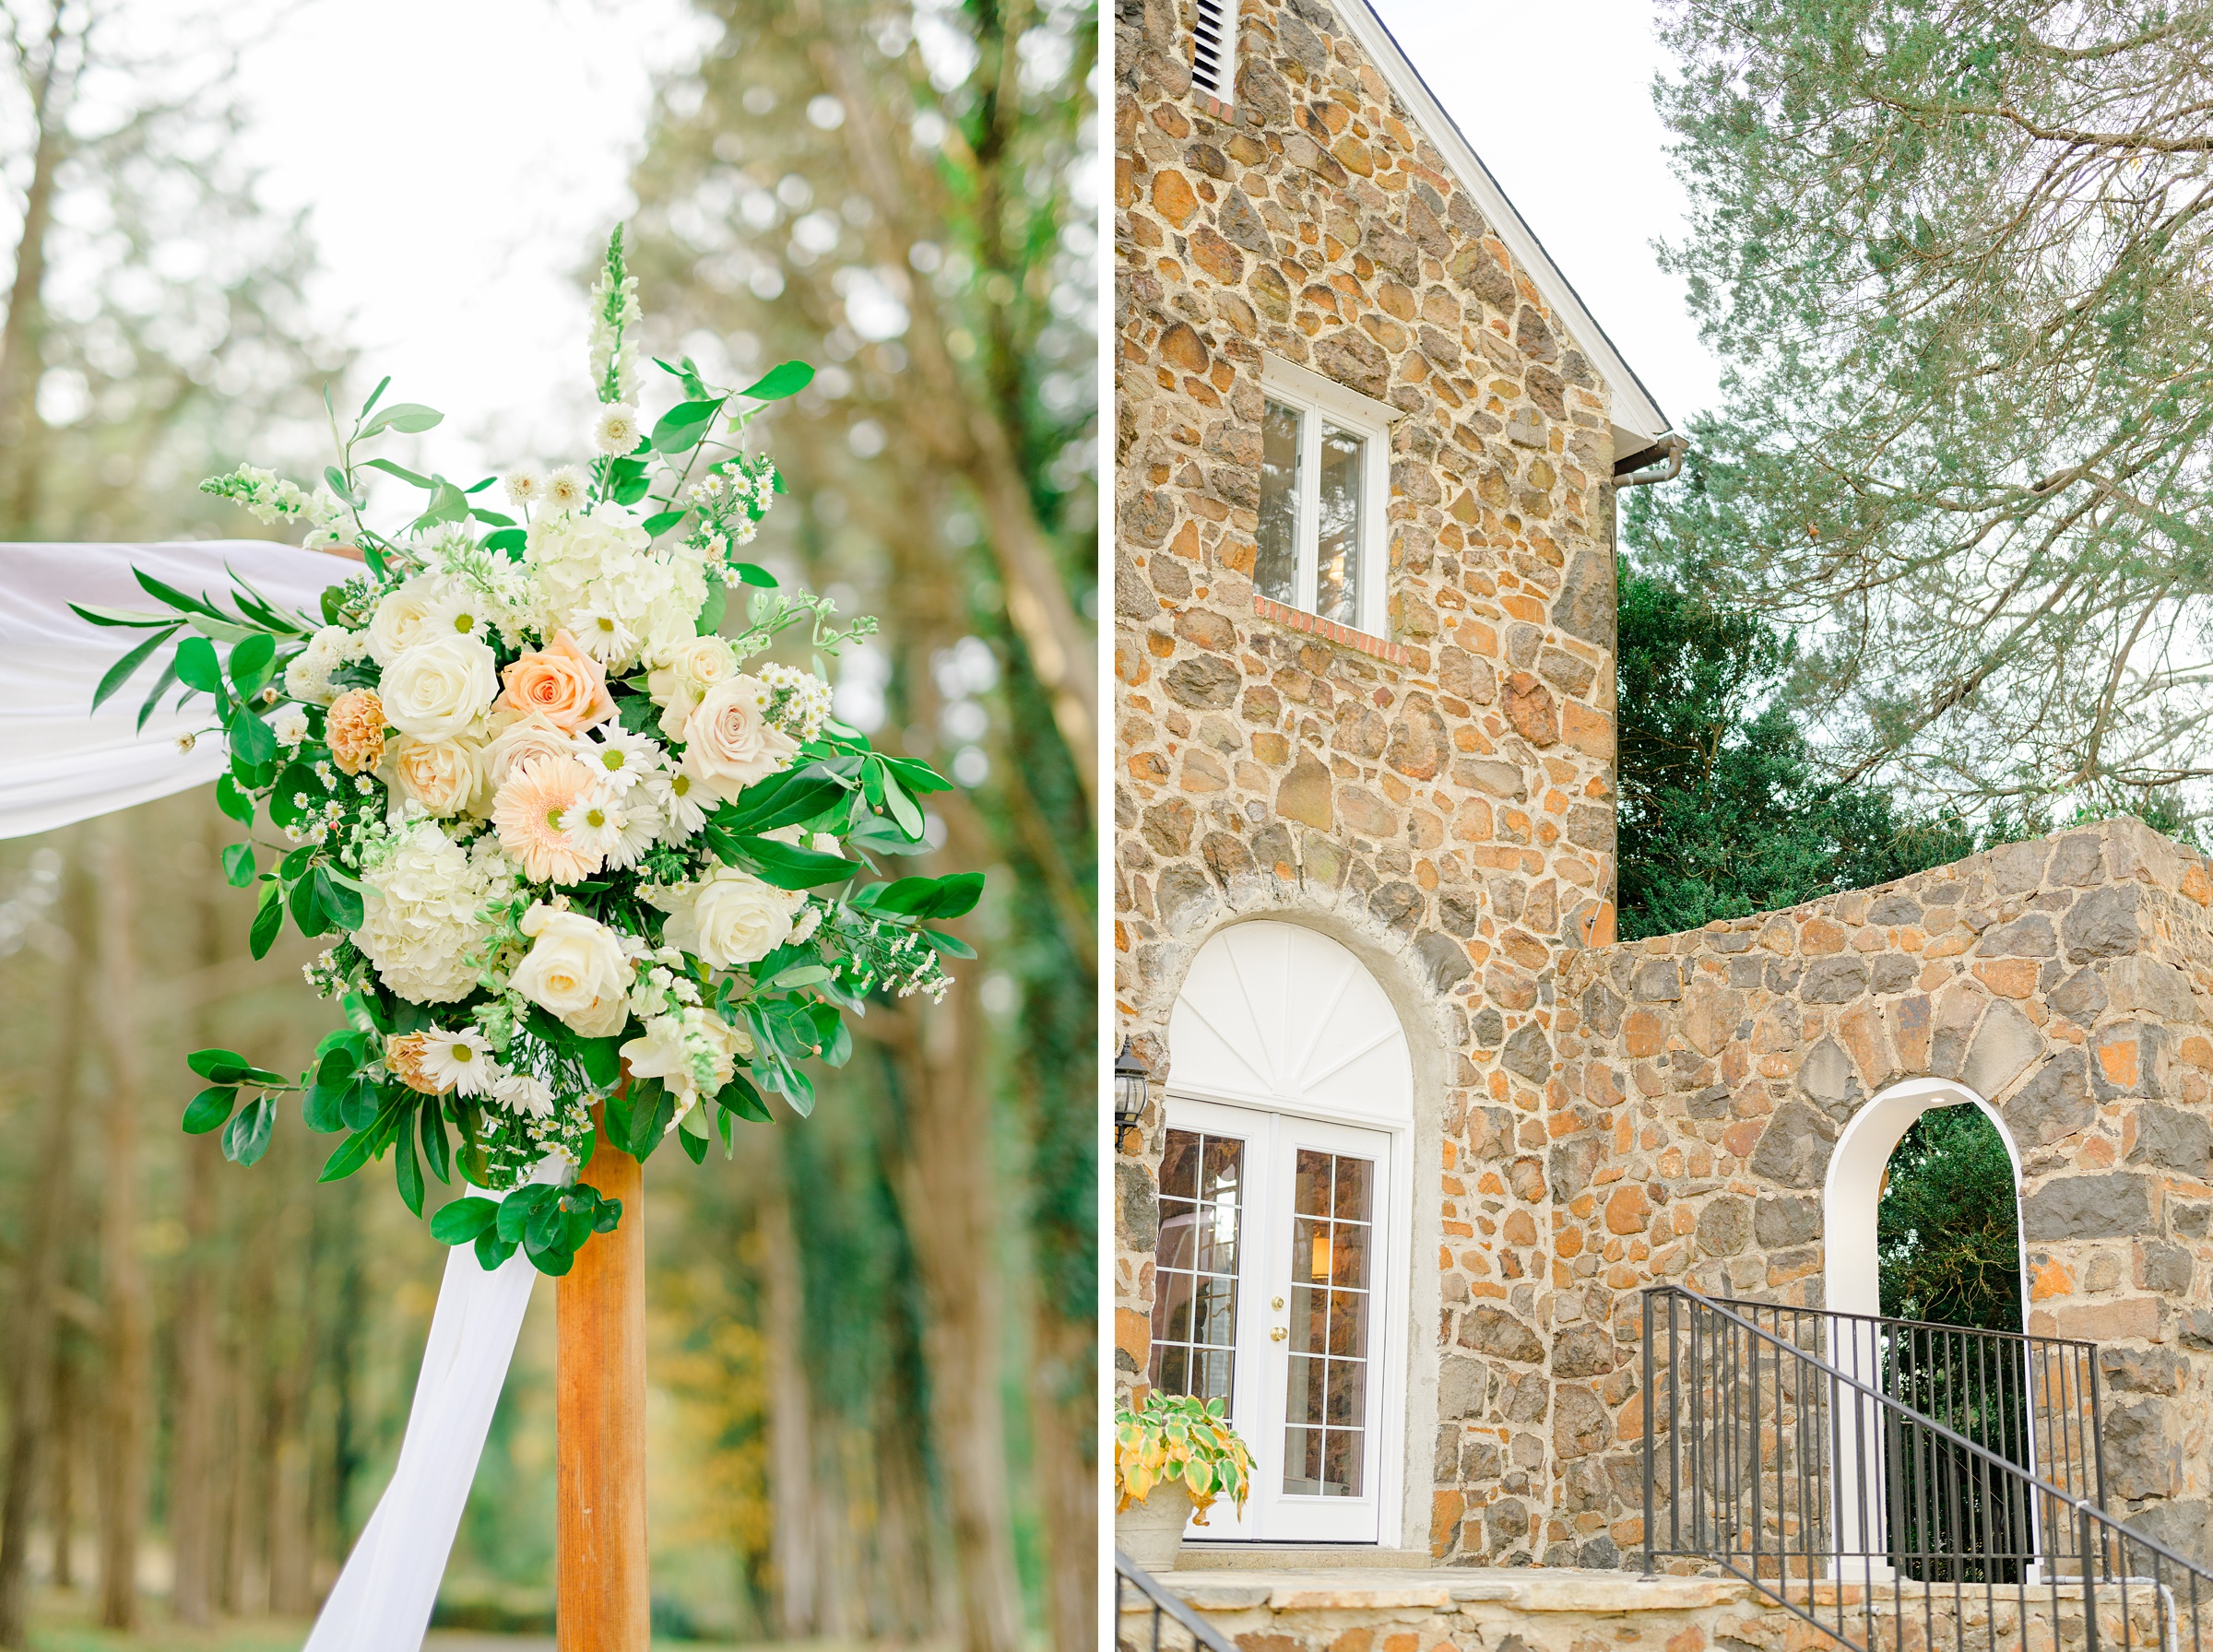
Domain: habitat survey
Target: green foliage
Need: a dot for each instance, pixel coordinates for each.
(1724, 808)
(1958, 258)
(1947, 1237)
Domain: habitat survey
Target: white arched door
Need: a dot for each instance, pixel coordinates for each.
(1281, 1278)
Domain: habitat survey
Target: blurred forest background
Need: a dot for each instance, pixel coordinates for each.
(873, 1333)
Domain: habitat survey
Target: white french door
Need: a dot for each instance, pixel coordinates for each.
(1269, 1292)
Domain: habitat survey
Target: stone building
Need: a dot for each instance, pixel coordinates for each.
(1419, 1128)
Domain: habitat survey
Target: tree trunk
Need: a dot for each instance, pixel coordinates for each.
(22, 333)
(123, 1272)
(193, 1498)
(790, 1451)
(31, 1342)
(948, 1196)
(61, 1502)
(292, 1379)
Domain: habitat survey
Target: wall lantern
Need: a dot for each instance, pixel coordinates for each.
(1130, 1080)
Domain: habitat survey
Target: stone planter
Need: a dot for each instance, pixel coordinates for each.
(1151, 1532)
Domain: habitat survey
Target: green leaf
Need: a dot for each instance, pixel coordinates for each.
(252, 662)
(752, 573)
(307, 913)
(783, 799)
(359, 1107)
(711, 611)
(945, 897)
(738, 1096)
(234, 800)
(253, 747)
(238, 862)
(176, 598)
(225, 1067)
(340, 900)
(407, 1172)
(602, 1059)
(681, 427)
(161, 686)
(508, 541)
(120, 672)
(381, 384)
(208, 1110)
(952, 946)
(322, 1109)
(197, 668)
(660, 522)
(779, 863)
(404, 474)
(247, 1137)
(268, 919)
(412, 417)
(492, 1250)
(631, 490)
(96, 614)
(805, 974)
(787, 378)
(462, 1221)
(696, 1147)
(903, 808)
(437, 1153)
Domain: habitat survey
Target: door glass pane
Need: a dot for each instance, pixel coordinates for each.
(1325, 1410)
(1275, 565)
(1337, 560)
(1195, 1276)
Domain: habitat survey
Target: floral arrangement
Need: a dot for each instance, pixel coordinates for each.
(1179, 1438)
(581, 855)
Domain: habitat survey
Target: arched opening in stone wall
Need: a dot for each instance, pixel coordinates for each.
(1923, 1242)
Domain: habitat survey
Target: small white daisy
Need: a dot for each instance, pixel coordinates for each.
(617, 759)
(526, 484)
(642, 825)
(567, 489)
(603, 636)
(461, 1061)
(593, 822)
(678, 800)
(616, 431)
(521, 1093)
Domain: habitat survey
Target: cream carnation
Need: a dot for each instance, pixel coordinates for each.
(730, 743)
(421, 915)
(731, 917)
(576, 970)
(436, 689)
(354, 730)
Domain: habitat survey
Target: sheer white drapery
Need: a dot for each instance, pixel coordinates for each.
(59, 763)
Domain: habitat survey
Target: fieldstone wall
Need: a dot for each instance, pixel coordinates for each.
(1697, 1083)
(1443, 793)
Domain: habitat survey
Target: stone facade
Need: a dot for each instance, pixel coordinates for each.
(1698, 1083)
(1440, 796)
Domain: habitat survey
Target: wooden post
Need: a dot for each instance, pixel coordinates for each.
(603, 1603)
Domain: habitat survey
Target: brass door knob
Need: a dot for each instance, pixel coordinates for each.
(1279, 1333)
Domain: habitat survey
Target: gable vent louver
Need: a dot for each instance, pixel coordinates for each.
(1214, 50)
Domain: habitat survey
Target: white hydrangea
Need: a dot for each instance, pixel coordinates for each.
(307, 676)
(422, 914)
(598, 578)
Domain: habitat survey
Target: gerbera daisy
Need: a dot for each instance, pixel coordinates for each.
(461, 1061)
(528, 811)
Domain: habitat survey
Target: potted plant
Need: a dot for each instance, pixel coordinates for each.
(1173, 1456)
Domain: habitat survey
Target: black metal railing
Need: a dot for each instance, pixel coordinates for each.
(1156, 1609)
(1898, 1484)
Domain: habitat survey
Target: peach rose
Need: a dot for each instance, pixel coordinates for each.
(562, 683)
(442, 776)
(354, 729)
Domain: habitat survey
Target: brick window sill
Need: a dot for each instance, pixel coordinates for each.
(1329, 631)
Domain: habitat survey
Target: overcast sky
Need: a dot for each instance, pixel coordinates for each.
(1564, 122)
(459, 159)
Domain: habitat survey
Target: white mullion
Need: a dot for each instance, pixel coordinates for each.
(1309, 507)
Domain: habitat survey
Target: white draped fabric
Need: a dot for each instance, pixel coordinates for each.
(59, 763)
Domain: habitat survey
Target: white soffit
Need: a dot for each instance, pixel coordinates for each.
(1638, 421)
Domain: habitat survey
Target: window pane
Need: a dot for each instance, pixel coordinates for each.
(1275, 568)
(1332, 1252)
(1310, 1192)
(1337, 562)
(1195, 1282)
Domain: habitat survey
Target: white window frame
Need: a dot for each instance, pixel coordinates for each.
(1363, 416)
(1215, 28)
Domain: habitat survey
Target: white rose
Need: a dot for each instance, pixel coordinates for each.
(435, 690)
(728, 744)
(575, 969)
(731, 917)
(401, 620)
(518, 740)
(677, 1046)
(444, 776)
(688, 671)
